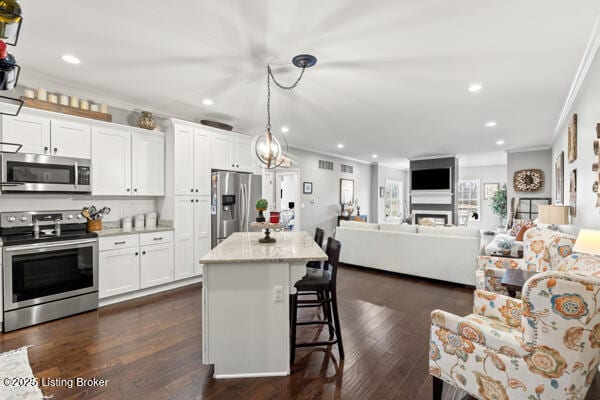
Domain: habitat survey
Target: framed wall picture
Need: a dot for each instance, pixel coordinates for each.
(528, 180)
(490, 189)
(346, 191)
(573, 193)
(572, 144)
(559, 178)
(307, 188)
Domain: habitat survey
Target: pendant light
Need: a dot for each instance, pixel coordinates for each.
(271, 149)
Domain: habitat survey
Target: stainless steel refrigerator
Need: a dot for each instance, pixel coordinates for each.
(234, 195)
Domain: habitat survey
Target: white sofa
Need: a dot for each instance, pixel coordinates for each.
(444, 253)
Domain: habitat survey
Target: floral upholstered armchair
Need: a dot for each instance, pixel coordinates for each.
(545, 346)
(543, 250)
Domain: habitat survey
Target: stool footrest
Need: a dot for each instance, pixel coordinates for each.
(312, 344)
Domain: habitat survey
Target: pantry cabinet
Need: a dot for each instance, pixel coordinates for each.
(147, 164)
(111, 161)
(192, 234)
(202, 232)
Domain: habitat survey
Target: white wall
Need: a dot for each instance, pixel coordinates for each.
(486, 174)
(587, 107)
(321, 208)
(537, 159)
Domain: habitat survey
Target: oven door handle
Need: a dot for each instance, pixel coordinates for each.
(38, 246)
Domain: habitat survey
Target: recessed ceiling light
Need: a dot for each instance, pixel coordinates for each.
(207, 102)
(71, 59)
(491, 124)
(500, 142)
(374, 156)
(285, 129)
(475, 87)
(340, 146)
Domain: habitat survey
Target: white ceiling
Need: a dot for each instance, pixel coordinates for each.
(391, 79)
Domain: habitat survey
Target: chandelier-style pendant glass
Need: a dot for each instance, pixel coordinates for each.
(270, 150)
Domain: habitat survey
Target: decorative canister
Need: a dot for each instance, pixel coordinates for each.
(151, 219)
(274, 217)
(126, 222)
(146, 121)
(138, 221)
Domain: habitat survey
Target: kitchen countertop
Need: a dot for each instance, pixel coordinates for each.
(243, 247)
(109, 231)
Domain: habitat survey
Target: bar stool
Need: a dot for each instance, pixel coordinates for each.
(322, 281)
(319, 236)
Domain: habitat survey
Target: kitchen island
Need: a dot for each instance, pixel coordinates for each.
(245, 302)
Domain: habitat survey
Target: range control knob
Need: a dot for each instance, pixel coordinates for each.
(79, 216)
(23, 218)
(12, 219)
(70, 216)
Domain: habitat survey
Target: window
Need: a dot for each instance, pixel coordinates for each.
(394, 193)
(468, 201)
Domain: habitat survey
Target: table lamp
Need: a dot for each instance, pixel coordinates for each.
(553, 215)
(588, 242)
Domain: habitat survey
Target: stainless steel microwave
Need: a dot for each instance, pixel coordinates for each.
(41, 173)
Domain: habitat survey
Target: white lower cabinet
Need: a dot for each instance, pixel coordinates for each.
(135, 261)
(156, 265)
(119, 271)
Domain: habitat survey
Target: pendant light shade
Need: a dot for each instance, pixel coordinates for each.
(269, 149)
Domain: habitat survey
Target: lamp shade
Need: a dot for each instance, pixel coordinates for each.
(588, 242)
(553, 215)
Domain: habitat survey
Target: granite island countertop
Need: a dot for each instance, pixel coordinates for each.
(243, 247)
(113, 231)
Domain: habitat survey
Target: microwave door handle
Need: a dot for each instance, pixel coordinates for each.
(76, 165)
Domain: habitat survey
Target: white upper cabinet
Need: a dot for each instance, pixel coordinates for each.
(202, 161)
(244, 153)
(31, 131)
(183, 143)
(223, 151)
(111, 161)
(70, 139)
(148, 164)
(233, 152)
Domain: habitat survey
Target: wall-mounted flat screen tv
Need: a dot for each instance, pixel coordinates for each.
(431, 179)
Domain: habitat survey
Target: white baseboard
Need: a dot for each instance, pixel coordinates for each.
(147, 292)
(255, 375)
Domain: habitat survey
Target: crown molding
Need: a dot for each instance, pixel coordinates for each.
(302, 148)
(433, 157)
(527, 149)
(582, 72)
(481, 164)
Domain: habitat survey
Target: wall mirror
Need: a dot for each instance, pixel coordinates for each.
(346, 191)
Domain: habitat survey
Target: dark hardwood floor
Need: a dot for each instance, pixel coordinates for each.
(150, 348)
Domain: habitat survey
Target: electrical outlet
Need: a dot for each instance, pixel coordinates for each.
(277, 293)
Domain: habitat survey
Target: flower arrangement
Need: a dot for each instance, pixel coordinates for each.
(505, 246)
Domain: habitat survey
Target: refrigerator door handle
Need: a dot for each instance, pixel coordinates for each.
(246, 208)
(242, 207)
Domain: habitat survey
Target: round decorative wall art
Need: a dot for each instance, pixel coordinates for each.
(529, 180)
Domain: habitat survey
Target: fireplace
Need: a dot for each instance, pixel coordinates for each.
(438, 218)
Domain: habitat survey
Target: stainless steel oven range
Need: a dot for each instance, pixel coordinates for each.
(50, 266)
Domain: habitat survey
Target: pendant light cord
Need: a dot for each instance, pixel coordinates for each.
(291, 87)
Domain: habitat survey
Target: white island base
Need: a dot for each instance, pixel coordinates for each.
(245, 302)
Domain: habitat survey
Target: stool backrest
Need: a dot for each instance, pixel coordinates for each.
(319, 236)
(333, 253)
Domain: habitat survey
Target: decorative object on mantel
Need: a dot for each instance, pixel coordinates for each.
(529, 180)
(270, 149)
(559, 176)
(573, 193)
(572, 141)
(261, 206)
(146, 121)
(64, 108)
(307, 188)
(216, 124)
(267, 226)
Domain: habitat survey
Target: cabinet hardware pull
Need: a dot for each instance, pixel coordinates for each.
(158, 238)
(55, 149)
(192, 190)
(192, 200)
(123, 242)
(196, 200)
(45, 149)
(143, 252)
(135, 190)
(136, 253)
(128, 189)
(196, 190)
(233, 165)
